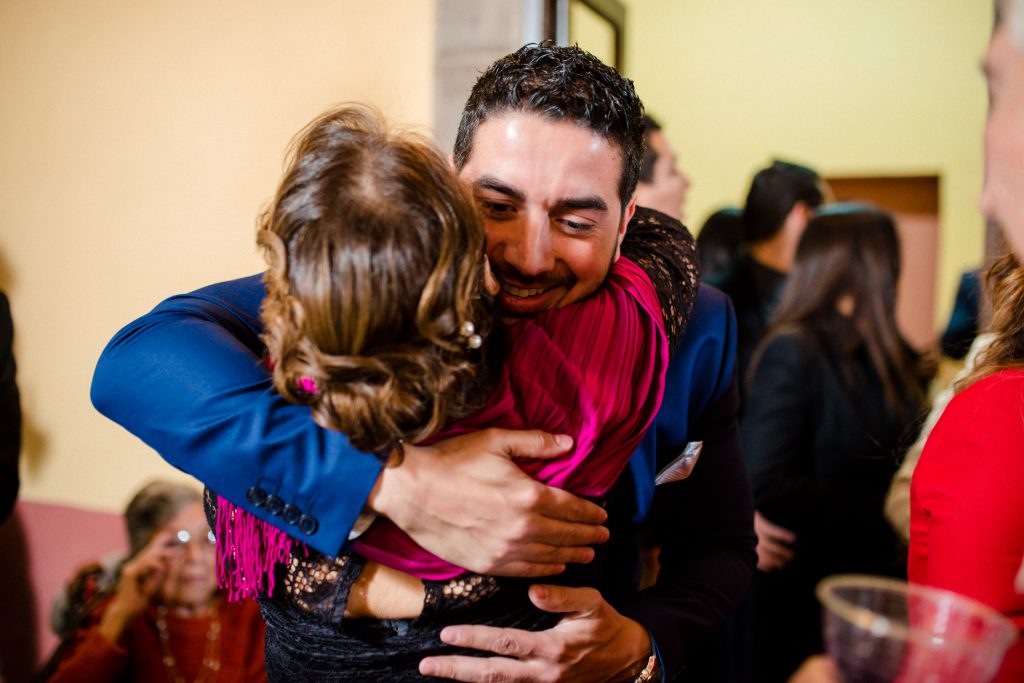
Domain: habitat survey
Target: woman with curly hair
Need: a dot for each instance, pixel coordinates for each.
(376, 317)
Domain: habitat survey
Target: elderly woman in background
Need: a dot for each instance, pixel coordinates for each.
(163, 620)
(835, 394)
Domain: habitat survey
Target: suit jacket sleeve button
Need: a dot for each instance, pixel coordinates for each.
(274, 505)
(308, 525)
(291, 513)
(256, 496)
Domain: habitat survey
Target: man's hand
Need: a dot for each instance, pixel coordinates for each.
(592, 643)
(774, 544)
(464, 500)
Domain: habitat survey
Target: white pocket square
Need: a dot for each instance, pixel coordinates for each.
(682, 466)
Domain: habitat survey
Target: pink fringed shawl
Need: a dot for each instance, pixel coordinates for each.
(247, 551)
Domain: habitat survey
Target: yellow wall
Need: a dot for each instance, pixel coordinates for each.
(139, 141)
(859, 87)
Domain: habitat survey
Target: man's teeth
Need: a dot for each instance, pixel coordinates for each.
(522, 293)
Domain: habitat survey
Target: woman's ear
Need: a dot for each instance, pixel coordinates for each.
(491, 285)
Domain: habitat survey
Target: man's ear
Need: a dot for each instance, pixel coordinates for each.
(627, 216)
(799, 215)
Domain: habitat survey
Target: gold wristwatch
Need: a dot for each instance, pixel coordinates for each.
(650, 672)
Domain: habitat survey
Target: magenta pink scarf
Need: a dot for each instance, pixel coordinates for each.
(594, 370)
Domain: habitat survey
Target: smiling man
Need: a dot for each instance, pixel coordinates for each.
(548, 194)
(551, 142)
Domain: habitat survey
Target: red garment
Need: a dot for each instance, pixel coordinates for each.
(594, 370)
(138, 658)
(967, 502)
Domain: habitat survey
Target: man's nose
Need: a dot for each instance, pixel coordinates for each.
(529, 249)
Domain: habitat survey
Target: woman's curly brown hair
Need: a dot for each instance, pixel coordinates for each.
(1004, 281)
(375, 254)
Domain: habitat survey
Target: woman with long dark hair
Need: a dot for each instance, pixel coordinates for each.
(834, 396)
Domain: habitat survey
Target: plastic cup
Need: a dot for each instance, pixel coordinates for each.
(884, 631)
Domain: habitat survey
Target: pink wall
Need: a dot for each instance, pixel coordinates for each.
(41, 546)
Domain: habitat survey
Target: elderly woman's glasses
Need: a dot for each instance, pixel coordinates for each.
(183, 537)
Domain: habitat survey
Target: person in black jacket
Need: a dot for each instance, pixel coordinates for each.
(780, 202)
(836, 395)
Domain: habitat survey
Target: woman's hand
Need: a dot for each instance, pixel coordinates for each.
(140, 580)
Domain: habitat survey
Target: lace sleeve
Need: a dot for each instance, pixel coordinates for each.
(666, 251)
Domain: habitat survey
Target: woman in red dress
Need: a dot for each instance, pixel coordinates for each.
(967, 507)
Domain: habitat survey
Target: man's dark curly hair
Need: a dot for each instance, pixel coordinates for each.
(561, 83)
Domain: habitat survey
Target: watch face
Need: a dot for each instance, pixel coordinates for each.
(649, 671)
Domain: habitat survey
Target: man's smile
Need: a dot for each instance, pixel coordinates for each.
(525, 301)
(522, 292)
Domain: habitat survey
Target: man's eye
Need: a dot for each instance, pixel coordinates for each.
(576, 226)
(496, 209)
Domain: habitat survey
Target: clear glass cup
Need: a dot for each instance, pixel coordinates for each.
(882, 630)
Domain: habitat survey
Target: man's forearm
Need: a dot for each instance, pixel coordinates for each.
(187, 379)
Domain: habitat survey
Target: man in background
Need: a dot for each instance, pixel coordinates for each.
(781, 200)
(661, 186)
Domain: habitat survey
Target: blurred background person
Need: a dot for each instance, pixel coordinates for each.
(661, 185)
(965, 318)
(160, 618)
(966, 508)
(835, 393)
(10, 414)
(779, 204)
(718, 244)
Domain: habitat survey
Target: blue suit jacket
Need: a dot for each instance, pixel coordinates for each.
(187, 379)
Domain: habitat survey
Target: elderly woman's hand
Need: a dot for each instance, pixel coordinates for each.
(140, 580)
